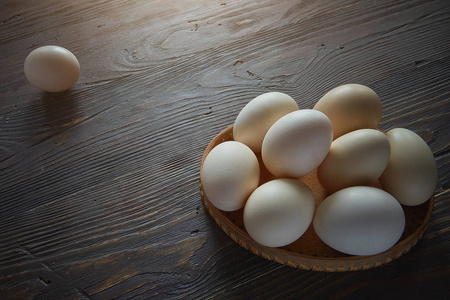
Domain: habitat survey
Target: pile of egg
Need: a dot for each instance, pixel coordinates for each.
(340, 140)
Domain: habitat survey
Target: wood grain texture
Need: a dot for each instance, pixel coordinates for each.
(99, 185)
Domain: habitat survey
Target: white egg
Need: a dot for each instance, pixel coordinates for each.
(258, 115)
(278, 212)
(360, 220)
(297, 143)
(52, 68)
(230, 173)
(411, 174)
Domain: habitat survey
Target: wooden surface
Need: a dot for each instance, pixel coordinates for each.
(99, 184)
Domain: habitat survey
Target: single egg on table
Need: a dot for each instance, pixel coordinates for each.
(278, 212)
(52, 68)
(411, 174)
(255, 119)
(230, 173)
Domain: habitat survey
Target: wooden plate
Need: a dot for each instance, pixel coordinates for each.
(309, 252)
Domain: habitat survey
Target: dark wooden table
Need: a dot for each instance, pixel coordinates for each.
(99, 184)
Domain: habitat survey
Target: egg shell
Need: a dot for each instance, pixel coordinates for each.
(350, 107)
(360, 221)
(411, 174)
(278, 212)
(356, 158)
(52, 68)
(230, 173)
(258, 115)
(297, 143)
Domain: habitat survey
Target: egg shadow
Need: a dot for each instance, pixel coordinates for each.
(61, 110)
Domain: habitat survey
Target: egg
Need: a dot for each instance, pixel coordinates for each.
(230, 173)
(297, 143)
(52, 68)
(356, 158)
(350, 107)
(278, 212)
(258, 115)
(411, 174)
(360, 220)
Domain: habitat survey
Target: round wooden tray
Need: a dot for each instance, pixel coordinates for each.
(309, 252)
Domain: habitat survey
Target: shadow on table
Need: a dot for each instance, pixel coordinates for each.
(61, 110)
